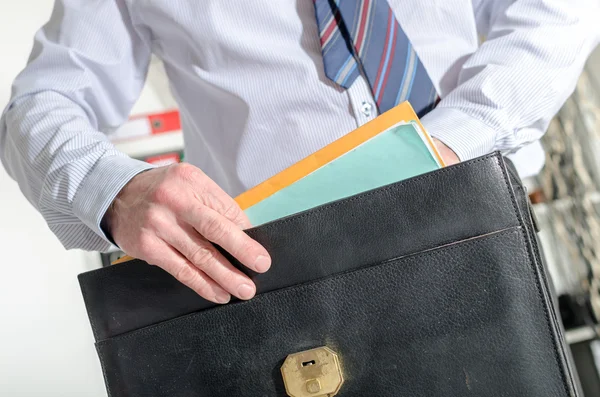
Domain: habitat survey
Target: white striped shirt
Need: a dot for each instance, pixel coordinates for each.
(248, 77)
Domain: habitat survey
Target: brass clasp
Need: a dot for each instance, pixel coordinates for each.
(312, 373)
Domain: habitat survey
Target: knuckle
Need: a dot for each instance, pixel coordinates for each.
(231, 211)
(186, 171)
(146, 246)
(153, 218)
(202, 256)
(241, 247)
(214, 229)
(180, 204)
(175, 169)
(247, 247)
(186, 275)
(241, 220)
(209, 200)
(229, 279)
(162, 193)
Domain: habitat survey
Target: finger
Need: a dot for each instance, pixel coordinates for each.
(223, 204)
(219, 230)
(209, 193)
(169, 259)
(201, 253)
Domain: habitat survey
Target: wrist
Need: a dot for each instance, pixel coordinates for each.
(106, 223)
(110, 218)
(100, 187)
(448, 155)
(467, 136)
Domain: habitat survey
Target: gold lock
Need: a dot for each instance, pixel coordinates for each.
(312, 373)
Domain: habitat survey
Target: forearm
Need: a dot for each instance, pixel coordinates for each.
(511, 87)
(68, 170)
(86, 70)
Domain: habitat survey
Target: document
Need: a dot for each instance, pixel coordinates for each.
(389, 149)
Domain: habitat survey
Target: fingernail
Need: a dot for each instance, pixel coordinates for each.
(262, 264)
(222, 297)
(245, 291)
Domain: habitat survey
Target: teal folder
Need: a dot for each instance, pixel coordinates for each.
(397, 153)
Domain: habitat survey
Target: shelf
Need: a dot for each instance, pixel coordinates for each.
(581, 334)
(152, 145)
(563, 204)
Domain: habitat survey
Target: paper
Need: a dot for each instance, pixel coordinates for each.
(403, 113)
(398, 153)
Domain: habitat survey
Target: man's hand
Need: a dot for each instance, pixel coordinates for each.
(447, 154)
(170, 216)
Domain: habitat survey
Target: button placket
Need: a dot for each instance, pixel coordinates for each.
(366, 108)
(362, 103)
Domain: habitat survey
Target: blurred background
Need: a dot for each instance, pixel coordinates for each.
(46, 344)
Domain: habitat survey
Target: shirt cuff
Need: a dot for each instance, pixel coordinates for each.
(101, 186)
(465, 135)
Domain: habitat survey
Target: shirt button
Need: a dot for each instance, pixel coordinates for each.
(366, 108)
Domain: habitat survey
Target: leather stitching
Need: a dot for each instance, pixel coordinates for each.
(298, 288)
(92, 321)
(95, 332)
(528, 246)
(104, 374)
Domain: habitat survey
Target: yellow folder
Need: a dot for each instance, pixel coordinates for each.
(401, 113)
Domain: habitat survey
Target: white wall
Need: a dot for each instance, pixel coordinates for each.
(46, 344)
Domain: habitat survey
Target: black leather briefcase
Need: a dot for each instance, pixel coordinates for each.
(433, 286)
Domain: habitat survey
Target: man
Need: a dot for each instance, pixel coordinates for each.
(262, 84)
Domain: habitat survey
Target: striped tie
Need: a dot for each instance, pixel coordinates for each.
(364, 34)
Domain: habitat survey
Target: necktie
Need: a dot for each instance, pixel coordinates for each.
(365, 35)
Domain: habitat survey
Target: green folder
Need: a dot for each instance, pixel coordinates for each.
(398, 153)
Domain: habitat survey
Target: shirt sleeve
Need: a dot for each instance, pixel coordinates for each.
(511, 87)
(86, 70)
